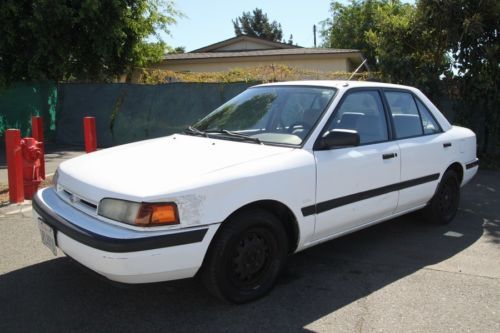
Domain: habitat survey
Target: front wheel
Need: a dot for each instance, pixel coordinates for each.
(444, 204)
(248, 254)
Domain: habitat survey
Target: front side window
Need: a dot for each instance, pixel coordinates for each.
(363, 112)
(273, 114)
(404, 114)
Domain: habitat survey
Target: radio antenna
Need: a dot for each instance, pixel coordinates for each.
(357, 69)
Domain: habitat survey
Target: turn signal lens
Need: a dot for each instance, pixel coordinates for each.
(153, 214)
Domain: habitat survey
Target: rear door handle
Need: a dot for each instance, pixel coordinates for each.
(447, 144)
(388, 156)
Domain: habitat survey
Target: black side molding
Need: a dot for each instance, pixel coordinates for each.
(309, 210)
(472, 164)
(117, 245)
(348, 199)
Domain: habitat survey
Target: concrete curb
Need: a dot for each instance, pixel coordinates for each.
(22, 208)
(18, 208)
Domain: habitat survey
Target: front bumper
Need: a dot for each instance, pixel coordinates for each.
(122, 254)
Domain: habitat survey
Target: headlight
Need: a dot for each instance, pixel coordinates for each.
(119, 210)
(139, 214)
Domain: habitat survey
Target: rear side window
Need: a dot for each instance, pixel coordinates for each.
(363, 112)
(428, 122)
(404, 114)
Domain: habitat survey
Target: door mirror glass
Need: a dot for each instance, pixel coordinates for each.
(338, 138)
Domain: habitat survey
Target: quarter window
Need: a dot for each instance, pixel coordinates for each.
(428, 122)
(405, 114)
(363, 112)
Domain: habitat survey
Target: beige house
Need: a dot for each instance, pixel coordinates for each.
(246, 51)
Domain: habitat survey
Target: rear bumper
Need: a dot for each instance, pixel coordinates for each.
(470, 171)
(472, 164)
(121, 254)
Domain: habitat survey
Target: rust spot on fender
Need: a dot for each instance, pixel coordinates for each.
(190, 208)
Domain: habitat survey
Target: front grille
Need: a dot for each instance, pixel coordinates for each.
(77, 201)
(89, 204)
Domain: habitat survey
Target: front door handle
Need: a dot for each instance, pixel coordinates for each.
(388, 156)
(447, 144)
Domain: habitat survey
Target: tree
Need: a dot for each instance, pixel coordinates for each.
(471, 30)
(83, 40)
(349, 23)
(417, 44)
(256, 24)
(408, 51)
(177, 50)
(392, 38)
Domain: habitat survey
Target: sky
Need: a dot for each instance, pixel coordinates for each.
(209, 21)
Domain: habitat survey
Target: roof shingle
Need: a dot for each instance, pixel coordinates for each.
(259, 53)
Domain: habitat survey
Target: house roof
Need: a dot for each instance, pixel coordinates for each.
(243, 38)
(260, 53)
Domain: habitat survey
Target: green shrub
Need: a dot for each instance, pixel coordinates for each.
(270, 73)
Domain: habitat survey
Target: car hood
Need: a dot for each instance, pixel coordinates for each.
(154, 167)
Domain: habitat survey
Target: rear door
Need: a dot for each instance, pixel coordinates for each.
(422, 149)
(354, 185)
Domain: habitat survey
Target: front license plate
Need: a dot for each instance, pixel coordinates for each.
(48, 236)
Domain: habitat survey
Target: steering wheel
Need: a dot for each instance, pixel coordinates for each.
(297, 125)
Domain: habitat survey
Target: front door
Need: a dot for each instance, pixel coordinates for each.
(356, 185)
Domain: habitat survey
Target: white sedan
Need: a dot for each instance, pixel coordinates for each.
(277, 169)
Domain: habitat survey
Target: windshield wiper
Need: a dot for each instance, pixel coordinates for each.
(235, 135)
(195, 131)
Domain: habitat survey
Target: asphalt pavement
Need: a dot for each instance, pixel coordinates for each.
(404, 275)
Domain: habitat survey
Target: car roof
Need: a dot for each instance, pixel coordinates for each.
(339, 84)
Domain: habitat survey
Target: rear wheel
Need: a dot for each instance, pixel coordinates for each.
(444, 205)
(248, 254)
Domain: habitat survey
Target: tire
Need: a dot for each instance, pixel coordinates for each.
(245, 257)
(444, 204)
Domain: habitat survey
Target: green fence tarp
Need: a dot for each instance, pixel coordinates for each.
(124, 112)
(22, 100)
(130, 112)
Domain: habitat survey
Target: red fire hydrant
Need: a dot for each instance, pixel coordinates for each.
(32, 154)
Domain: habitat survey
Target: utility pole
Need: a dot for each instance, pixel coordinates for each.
(314, 32)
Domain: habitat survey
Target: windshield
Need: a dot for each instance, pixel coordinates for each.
(273, 114)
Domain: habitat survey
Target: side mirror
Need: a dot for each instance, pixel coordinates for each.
(337, 138)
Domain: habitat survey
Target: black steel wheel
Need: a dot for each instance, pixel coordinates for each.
(444, 205)
(245, 257)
